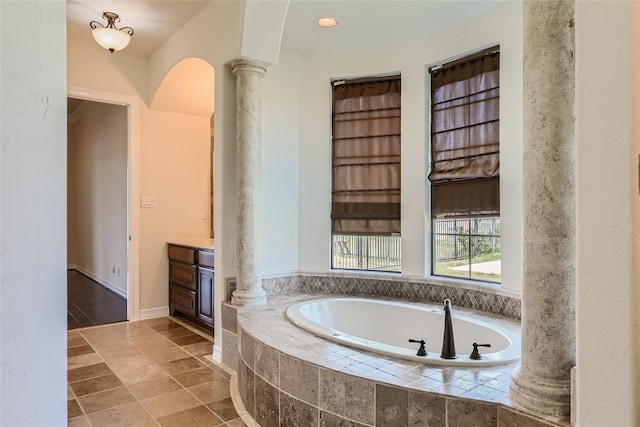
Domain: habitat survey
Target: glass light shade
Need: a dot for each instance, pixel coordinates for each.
(111, 39)
(326, 22)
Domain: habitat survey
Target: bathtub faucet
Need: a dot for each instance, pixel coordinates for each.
(448, 345)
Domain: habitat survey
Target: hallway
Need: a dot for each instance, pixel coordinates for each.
(90, 304)
(146, 373)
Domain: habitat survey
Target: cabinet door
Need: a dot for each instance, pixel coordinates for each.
(182, 274)
(182, 299)
(205, 295)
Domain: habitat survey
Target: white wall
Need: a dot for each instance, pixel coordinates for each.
(33, 387)
(502, 25)
(280, 152)
(97, 187)
(607, 213)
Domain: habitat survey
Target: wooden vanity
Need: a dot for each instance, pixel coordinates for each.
(191, 273)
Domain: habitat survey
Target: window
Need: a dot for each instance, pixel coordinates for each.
(365, 189)
(465, 167)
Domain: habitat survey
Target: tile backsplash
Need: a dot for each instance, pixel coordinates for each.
(410, 290)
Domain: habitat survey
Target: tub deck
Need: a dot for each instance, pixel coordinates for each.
(274, 353)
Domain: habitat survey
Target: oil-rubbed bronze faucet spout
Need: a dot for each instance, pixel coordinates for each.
(448, 346)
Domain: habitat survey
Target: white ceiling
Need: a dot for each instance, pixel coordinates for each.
(153, 21)
(365, 24)
(361, 23)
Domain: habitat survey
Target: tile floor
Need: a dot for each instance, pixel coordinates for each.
(90, 304)
(146, 373)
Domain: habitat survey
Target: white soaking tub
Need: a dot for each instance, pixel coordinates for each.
(385, 327)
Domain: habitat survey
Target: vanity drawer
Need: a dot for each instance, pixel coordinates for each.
(182, 274)
(182, 299)
(205, 259)
(179, 253)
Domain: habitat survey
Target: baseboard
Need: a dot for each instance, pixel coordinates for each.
(217, 353)
(101, 281)
(152, 313)
(72, 267)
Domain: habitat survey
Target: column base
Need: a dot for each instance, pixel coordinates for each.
(249, 298)
(542, 396)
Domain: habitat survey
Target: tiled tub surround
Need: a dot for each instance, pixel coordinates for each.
(289, 377)
(485, 298)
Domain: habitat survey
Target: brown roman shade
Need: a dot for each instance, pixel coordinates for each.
(465, 136)
(366, 157)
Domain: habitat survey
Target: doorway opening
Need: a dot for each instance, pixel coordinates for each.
(102, 255)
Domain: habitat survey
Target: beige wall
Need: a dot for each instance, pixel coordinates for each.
(173, 165)
(97, 194)
(174, 168)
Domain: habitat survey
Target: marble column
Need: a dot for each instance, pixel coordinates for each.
(542, 384)
(249, 74)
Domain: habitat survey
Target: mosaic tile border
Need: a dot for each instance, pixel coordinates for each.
(412, 290)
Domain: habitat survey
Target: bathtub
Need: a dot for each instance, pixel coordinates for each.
(385, 327)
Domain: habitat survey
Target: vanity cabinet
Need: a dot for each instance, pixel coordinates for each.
(191, 274)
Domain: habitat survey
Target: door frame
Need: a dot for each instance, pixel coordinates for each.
(133, 187)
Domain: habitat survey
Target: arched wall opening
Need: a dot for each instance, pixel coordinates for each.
(188, 88)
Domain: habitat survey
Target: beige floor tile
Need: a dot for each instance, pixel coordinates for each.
(111, 333)
(236, 423)
(180, 331)
(84, 360)
(112, 345)
(199, 416)
(106, 399)
(80, 350)
(95, 385)
(153, 347)
(159, 322)
(148, 423)
(86, 372)
(196, 377)
(169, 403)
(147, 389)
(167, 355)
(82, 421)
(224, 409)
(148, 336)
(189, 339)
(141, 374)
(181, 365)
(198, 349)
(73, 409)
(122, 363)
(76, 342)
(211, 392)
(113, 355)
(70, 394)
(125, 415)
(73, 334)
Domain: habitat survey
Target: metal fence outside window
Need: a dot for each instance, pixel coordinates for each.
(361, 252)
(467, 241)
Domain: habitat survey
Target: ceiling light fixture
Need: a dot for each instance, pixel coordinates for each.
(111, 37)
(326, 22)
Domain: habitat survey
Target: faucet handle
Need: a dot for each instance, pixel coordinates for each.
(422, 351)
(475, 355)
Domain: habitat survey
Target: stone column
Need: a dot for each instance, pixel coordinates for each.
(249, 74)
(542, 384)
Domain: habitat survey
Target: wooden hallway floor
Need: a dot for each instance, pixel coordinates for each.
(90, 304)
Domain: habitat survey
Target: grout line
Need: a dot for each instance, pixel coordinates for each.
(82, 332)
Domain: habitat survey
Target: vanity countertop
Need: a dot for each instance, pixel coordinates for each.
(206, 244)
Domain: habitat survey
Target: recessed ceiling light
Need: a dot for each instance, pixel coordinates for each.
(326, 22)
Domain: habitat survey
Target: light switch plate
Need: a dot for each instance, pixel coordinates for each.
(148, 201)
